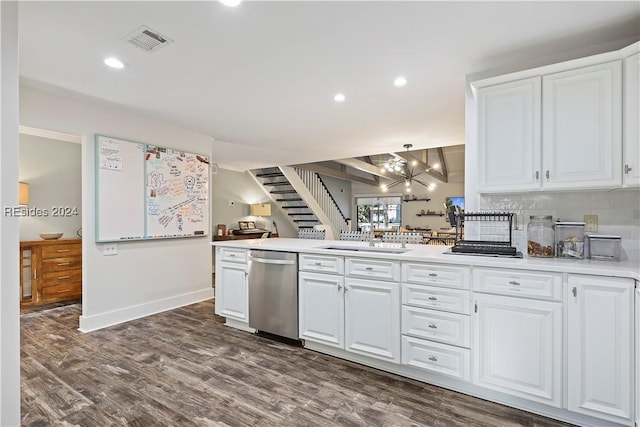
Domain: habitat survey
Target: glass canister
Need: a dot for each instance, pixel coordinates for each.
(540, 236)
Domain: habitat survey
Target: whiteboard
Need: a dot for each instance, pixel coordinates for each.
(119, 190)
(177, 186)
(149, 192)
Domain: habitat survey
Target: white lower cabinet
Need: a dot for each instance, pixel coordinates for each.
(321, 308)
(518, 347)
(637, 355)
(600, 347)
(435, 357)
(232, 297)
(355, 314)
(372, 318)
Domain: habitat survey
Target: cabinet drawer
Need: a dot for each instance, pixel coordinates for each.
(439, 275)
(440, 358)
(454, 300)
(522, 283)
(449, 328)
(61, 264)
(57, 251)
(62, 291)
(321, 263)
(61, 277)
(372, 269)
(232, 255)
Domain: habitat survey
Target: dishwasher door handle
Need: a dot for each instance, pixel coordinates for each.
(272, 261)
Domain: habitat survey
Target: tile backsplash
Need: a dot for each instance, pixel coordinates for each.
(618, 213)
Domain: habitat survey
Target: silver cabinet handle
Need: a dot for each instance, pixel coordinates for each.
(63, 250)
(574, 291)
(433, 358)
(317, 263)
(232, 255)
(63, 277)
(537, 175)
(433, 275)
(339, 288)
(514, 283)
(433, 299)
(368, 268)
(433, 326)
(627, 169)
(547, 174)
(63, 263)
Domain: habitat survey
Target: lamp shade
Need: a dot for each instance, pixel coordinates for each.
(23, 193)
(261, 209)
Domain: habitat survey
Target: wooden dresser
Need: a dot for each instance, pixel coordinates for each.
(50, 271)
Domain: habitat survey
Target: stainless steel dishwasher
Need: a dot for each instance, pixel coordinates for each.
(273, 292)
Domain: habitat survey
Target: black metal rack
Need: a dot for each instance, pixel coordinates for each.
(482, 247)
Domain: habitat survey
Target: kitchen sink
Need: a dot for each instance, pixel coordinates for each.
(367, 249)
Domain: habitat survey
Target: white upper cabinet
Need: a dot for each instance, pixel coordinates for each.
(582, 127)
(631, 122)
(509, 136)
(560, 127)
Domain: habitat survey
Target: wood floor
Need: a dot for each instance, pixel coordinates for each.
(184, 368)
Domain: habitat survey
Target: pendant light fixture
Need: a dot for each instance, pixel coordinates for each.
(405, 169)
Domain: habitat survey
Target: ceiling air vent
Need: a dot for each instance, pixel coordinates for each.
(147, 39)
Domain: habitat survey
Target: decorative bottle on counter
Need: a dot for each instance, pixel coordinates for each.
(540, 236)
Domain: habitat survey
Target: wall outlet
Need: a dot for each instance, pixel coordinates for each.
(110, 249)
(591, 223)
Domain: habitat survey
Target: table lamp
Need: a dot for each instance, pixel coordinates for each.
(260, 210)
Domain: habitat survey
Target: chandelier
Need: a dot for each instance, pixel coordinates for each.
(407, 171)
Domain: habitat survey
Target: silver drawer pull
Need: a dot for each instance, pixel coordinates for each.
(368, 268)
(63, 263)
(514, 283)
(63, 277)
(64, 250)
(433, 275)
(433, 358)
(318, 263)
(433, 326)
(232, 255)
(339, 288)
(433, 299)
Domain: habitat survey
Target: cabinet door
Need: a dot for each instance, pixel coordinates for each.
(600, 347)
(518, 347)
(582, 127)
(372, 318)
(631, 137)
(321, 308)
(509, 136)
(232, 298)
(638, 356)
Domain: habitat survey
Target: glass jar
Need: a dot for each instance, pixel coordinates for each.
(540, 236)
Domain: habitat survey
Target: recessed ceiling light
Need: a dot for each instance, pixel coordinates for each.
(114, 63)
(230, 3)
(400, 81)
(339, 97)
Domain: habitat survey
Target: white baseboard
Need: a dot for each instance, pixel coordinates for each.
(99, 321)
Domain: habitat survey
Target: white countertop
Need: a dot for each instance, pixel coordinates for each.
(432, 253)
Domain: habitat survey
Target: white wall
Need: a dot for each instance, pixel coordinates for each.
(243, 190)
(9, 239)
(146, 276)
(52, 168)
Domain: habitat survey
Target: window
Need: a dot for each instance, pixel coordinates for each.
(383, 213)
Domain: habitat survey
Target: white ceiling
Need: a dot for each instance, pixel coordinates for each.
(264, 74)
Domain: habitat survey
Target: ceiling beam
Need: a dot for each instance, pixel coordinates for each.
(342, 173)
(441, 176)
(368, 168)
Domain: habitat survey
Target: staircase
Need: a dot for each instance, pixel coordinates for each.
(303, 198)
